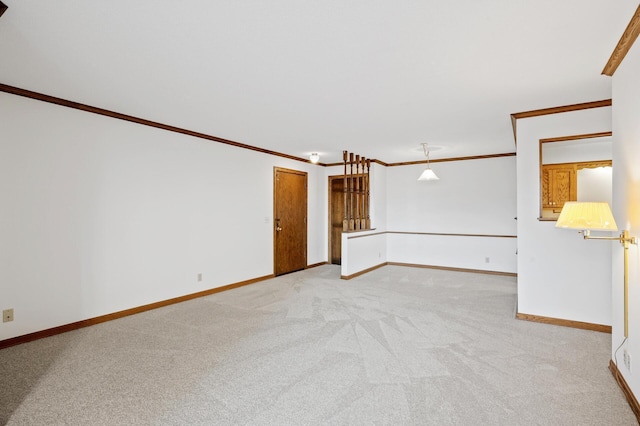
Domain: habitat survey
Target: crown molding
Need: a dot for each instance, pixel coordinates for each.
(577, 137)
(624, 44)
(555, 110)
(112, 114)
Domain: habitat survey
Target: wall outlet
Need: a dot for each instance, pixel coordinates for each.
(487, 259)
(7, 315)
(200, 277)
(626, 356)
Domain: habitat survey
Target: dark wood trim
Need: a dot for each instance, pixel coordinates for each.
(564, 323)
(447, 268)
(555, 110)
(444, 160)
(3, 8)
(315, 265)
(382, 163)
(577, 137)
(626, 390)
(561, 109)
(432, 233)
(440, 160)
(364, 271)
(579, 165)
(453, 235)
(112, 114)
(127, 312)
(622, 48)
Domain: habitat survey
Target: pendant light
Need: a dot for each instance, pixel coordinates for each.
(428, 174)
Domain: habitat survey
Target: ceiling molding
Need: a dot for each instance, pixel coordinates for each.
(3, 8)
(622, 48)
(560, 109)
(555, 110)
(576, 137)
(112, 114)
(440, 160)
(382, 163)
(445, 160)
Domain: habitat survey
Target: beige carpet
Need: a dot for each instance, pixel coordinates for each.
(398, 346)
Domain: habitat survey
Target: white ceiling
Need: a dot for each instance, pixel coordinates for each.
(375, 77)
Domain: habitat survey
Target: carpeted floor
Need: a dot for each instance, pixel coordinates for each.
(397, 346)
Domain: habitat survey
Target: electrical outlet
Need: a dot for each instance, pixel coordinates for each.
(626, 356)
(7, 315)
(200, 277)
(487, 259)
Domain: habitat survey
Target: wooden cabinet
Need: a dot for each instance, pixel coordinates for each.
(559, 185)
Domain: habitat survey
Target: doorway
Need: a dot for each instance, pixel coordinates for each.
(290, 220)
(336, 218)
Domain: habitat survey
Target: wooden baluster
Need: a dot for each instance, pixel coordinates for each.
(363, 195)
(357, 191)
(345, 221)
(351, 221)
(368, 221)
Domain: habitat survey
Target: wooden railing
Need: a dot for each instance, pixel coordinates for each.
(356, 192)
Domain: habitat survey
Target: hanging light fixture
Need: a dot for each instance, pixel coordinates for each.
(428, 174)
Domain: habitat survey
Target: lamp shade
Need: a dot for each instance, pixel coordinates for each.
(592, 216)
(428, 174)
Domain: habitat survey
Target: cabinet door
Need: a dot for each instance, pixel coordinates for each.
(562, 183)
(558, 185)
(546, 187)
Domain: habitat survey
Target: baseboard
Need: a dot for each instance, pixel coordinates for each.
(416, 265)
(626, 390)
(316, 265)
(448, 268)
(357, 274)
(564, 323)
(132, 311)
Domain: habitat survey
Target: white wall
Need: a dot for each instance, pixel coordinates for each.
(595, 185)
(592, 149)
(362, 251)
(626, 207)
(476, 197)
(100, 215)
(473, 197)
(559, 274)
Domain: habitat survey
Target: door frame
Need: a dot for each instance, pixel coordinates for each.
(306, 213)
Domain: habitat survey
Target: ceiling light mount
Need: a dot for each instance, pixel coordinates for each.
(314, 157)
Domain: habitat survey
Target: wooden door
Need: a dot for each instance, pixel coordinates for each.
(336, 216)
(290, 220)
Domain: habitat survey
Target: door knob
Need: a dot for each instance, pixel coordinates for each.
(278, 229)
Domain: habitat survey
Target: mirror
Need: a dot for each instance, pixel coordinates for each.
(574, 168)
